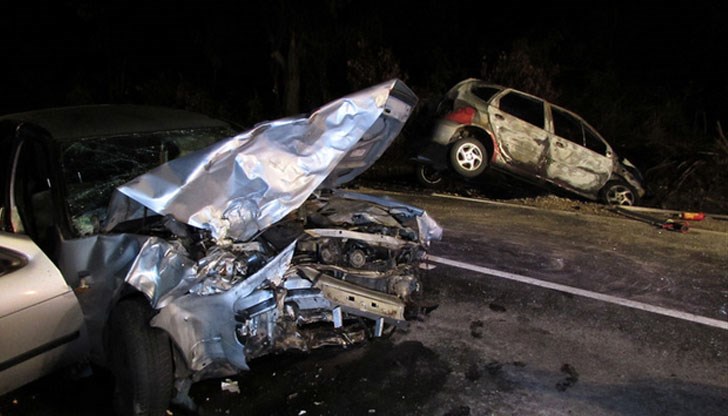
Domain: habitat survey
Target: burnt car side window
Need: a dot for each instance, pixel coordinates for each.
(593, 142)
(526, 108)
(567, 126)
(485, 93)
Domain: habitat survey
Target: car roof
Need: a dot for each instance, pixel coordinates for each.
(480, 82)
(68, 123)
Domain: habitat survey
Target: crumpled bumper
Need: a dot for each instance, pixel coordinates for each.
(280, 262)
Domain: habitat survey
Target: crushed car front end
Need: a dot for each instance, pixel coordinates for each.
(255, 251)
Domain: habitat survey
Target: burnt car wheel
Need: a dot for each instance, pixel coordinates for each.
(141, 361)
(468, 157)
(429, 176)
(618, 193)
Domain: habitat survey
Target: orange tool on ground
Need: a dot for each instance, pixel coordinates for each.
(692, 216)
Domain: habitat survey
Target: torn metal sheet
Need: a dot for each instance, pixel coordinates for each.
(162, 271)
(204, 326)
(242, 185)
(374, 239)
(429, 230)
(227, 294)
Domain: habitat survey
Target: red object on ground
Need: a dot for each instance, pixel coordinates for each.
(463, 115)
(681, 227)
(692, 216)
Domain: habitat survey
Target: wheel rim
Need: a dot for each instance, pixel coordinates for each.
(430, 175)
(620, 195)
(469, 157)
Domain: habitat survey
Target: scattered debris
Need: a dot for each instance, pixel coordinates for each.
(230, 386)
(473, 373)
(669, 224)
(571, 378)
(494, 367)
(476, 329)
(496, 307)
(458, 411)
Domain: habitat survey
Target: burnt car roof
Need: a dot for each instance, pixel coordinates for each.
(69, 123)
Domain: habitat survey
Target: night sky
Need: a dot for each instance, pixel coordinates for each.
(232, 58)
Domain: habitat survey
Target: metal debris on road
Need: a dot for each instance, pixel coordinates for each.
(230, 386)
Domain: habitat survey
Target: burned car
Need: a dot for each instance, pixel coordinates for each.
(485, 126)
(170, 248)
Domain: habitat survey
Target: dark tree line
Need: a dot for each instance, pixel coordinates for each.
(651, 78)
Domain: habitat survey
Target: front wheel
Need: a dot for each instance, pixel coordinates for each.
(429, 176)
(468, 157)
(617, 193)
(141, 361)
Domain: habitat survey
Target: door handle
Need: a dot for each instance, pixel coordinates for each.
(560, 144)
(499, 117)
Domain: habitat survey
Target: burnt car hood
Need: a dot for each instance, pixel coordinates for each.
(242, 185)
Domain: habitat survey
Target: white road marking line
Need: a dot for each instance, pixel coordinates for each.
(584, 293)
(485, 201)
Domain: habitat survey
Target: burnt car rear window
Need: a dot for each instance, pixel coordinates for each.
(93, 168)
(485, 93)
(526, 108)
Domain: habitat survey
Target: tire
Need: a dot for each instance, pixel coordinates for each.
(468, 157)
(429, 176)
(616, 193)
(141, 361)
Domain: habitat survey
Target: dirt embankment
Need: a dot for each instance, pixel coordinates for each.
(525, 195)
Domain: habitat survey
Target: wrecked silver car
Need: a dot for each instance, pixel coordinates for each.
(230, 246)
(486, 126)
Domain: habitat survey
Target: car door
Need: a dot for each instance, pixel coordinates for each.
(578, 158)
(41, 323)
(518, 126)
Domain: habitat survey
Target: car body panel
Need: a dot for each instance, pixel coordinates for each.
(577, 167)
(519, 143)
(533, 153)
(242, 185)
(40, 318)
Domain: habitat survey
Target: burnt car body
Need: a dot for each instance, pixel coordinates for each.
(483, 125)
(217, 255)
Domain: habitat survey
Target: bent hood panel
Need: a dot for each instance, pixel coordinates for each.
(242, 185)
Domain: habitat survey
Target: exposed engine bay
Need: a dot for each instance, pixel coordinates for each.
(342, 268)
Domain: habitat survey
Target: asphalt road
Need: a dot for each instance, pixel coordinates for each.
(495, 346)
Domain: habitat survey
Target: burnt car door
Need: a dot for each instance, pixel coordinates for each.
(40, 319)
(518, 126)
(578, 158)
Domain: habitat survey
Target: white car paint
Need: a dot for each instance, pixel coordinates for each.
(41, 323)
